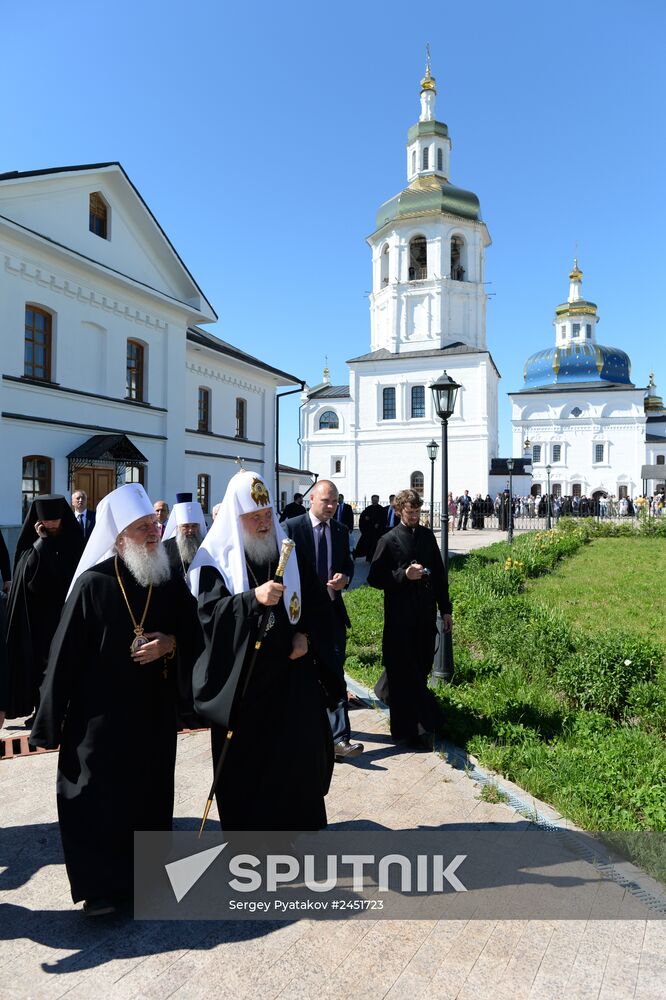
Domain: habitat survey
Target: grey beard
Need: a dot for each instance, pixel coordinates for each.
(187, 547)
(146, 567)
(260, 550)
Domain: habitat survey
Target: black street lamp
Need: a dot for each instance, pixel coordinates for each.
(548, 517)
(444, 393)
(432, 450)
(509, 465)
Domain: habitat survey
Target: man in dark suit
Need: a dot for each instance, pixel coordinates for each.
(391, 517)
(344, 514)
(325, 541)
(84, 517)
(293, 509)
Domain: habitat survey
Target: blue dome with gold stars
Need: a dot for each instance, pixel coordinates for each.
(574, 364)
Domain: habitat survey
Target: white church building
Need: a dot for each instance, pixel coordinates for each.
(107, 373)
(590, 429)
(427, 315)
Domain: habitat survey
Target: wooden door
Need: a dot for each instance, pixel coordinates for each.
(96, 481)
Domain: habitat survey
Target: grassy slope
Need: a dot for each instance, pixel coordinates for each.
(505, 704)
(618, 581)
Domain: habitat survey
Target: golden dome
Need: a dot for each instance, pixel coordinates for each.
(576, 274)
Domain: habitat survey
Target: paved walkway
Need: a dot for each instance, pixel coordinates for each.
(48, 949)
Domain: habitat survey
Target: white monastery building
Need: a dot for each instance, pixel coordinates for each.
(427, 315)
(591, 430)
(107, 375)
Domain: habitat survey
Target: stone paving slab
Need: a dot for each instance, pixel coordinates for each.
(49, 950)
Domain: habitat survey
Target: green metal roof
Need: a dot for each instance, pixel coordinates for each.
(426, 128)
(429, 196)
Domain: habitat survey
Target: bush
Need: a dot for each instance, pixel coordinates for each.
(602, 675)
(646, 706)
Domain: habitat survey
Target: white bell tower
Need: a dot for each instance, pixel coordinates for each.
(428, 250)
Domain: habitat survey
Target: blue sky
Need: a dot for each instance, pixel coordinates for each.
(264, 137)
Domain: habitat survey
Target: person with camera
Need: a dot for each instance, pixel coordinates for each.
(408, 567)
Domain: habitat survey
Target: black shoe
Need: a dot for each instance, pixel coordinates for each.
(422, 743)
(345, 750)
(102, 907)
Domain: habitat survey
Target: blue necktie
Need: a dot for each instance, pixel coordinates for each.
(322, 554)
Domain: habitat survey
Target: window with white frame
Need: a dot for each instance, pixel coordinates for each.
(388, 403)
(557, 489)
(536, 454)
(557, 453)
(328, 421)
(598, 452)
(575, 329)
(418, 401)
(576, 490)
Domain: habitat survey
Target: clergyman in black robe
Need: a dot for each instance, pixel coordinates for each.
(371, 524)
(278, 766)
(114, 712)
(411, 599)
(47, 553)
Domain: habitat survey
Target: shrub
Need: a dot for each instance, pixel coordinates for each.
(602, 675)
(646, 706)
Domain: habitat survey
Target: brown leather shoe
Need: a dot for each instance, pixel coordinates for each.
(345, 750)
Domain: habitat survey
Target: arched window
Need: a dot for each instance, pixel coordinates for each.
(36, 479)
(426, 158)
(418, 258)
(37, 344)
(388, 403)
(440, 159)
(413, 161)
(135, 474)
(385, 266)
(203, 492)
(98, 216)
(241, 417)
(338, 466)
(457, 266)
(416, 482)
(328, 421)
(134, 387)
(203, 410)
(418, 401)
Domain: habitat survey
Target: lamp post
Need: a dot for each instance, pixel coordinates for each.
(444, 393)
(509, 465)
(548, 515)
(432, 450)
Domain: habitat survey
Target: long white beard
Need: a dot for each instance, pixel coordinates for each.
(146, 567)
(187, 546)
(260, 550)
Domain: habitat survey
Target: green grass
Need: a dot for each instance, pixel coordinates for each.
(618, 581)
(560, 680)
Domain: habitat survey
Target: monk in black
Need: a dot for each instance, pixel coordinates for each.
(47, 554)
(408, 567)
(113, 711)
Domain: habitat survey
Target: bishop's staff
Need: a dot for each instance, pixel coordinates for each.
(285, 551)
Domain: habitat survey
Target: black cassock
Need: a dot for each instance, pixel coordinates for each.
(280, 760)
(118, 720)
(410, 624)
(42, 576)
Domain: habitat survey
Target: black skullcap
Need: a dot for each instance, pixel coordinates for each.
(183, 498)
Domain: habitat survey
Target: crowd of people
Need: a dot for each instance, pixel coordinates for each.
(140, 616)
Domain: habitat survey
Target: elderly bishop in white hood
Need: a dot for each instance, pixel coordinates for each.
(278, 766)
